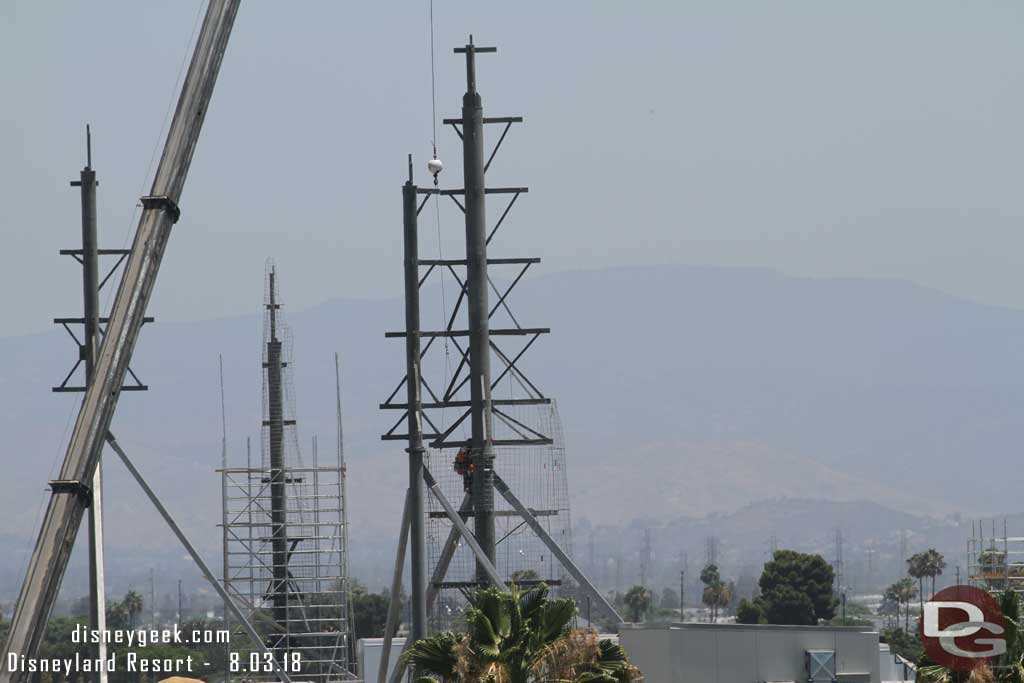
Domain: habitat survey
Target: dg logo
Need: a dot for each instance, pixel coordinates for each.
(961, 627)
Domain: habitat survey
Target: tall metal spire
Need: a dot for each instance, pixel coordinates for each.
(481, 449)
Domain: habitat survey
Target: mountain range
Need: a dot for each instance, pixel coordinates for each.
(685, 392)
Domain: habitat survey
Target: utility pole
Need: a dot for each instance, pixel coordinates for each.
(840, 571)
(180, 603)
(481, 449)
(645, 561)
(682, 594)
(152, 598)
(413, 382)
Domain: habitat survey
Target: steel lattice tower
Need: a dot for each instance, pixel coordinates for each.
(285, 552)
(472, 432)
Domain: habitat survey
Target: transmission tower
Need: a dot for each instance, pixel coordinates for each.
(646, 559)
(839, 566)
(711, 551)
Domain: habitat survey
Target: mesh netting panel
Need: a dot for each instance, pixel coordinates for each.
(537, 476)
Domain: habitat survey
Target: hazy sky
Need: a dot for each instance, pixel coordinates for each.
(873, 139)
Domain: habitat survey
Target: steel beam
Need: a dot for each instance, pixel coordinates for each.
(396, 589)
(160, 210)
(418, 559)
(490, 573)
(191, 549)
(553, 546)
(451, 544)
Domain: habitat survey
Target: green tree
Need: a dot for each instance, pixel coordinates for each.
(747, 612)
(638, 602)
(669, 599)
(519, 637)
(917, 567)
(716, 593)
(369, 611)
(524, 577)
(903, 591)
(796, 589)
(906, 645)
(133, 604)
(934, 564)
(890, 606)
(117, 615)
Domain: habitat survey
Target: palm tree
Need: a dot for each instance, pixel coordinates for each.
(519, 637)
(133, 605)
(905, 591)
(934, 564)
(638, 601)
(917, 567)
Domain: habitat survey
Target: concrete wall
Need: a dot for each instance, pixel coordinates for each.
(738, 653)
(368, 655)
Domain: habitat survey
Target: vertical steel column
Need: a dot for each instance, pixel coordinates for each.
(481, 449)
(90, 343)
(278, 494)
(415, 449)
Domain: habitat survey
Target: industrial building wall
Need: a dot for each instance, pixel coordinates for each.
(738, 653)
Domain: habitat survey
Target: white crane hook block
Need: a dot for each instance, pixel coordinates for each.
(435, 166)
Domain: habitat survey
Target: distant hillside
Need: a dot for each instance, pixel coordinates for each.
(683, 390)
(871, 536)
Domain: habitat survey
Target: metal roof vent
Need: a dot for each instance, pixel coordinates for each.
(821, 665)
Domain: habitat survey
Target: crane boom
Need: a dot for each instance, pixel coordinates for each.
(70, 494)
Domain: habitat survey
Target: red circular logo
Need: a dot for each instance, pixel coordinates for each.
(962, 626)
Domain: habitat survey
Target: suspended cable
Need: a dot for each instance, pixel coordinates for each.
(435, 168)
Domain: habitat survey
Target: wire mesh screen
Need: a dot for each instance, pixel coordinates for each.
(537, 475)
(285, 547)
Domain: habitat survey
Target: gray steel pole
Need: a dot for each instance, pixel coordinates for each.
(415, 450)
(460, 526)
(481, 449)
(194, 554)
(278, 482)
(90, 342)
(552, 545)
(395, 605)
(160, 210)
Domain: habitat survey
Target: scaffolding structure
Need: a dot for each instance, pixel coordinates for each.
(285, 542)
(995, 562)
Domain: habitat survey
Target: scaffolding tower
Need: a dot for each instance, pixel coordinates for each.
(285, 550)
(995, 562)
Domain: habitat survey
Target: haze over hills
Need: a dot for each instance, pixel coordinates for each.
(683, 390)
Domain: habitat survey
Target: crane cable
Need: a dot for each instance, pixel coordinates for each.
(437, 206)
